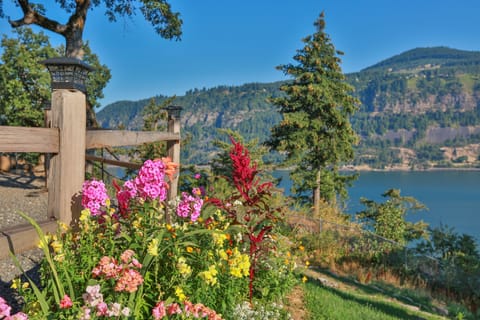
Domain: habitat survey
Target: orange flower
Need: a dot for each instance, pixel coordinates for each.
(171, 167)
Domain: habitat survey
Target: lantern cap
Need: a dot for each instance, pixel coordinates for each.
(174, 111)
(68, 72)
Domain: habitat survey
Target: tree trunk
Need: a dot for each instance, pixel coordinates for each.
(316, 195)
(74, 41)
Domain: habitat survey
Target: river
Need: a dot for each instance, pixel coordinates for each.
(452, 197)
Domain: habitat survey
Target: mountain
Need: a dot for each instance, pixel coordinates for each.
(419, 109)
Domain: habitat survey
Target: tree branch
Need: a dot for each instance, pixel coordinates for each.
(31, 16)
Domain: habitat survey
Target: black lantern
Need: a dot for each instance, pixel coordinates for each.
(68, 73)
(174, 112)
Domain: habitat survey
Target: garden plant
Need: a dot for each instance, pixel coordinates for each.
(143, 257)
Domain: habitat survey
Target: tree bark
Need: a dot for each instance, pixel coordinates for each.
(316, 194)
(72, 31)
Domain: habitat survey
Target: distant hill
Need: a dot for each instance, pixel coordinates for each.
(419, 109)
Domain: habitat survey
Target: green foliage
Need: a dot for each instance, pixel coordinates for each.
(157, 12)
(388, 219)
(315, 132)
(25, 82)
(331, 303)
(458, 259)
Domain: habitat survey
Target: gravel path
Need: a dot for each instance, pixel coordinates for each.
(25, 193)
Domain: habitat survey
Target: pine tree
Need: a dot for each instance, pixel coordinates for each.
(315, 133)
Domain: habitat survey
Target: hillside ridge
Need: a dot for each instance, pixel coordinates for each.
(414, 105)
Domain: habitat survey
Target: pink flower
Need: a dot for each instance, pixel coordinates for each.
(150, 181)
(4, 308)
(18, 316)
(94, 196)
(66, 302)
(189, 206)
(106, 267)
(127, 255)
(102, 309)
(129, 281)
(158, 312)
(173, 308)
(92, 297)
(197, 176)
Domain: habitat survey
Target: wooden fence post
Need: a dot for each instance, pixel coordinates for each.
(67, 168)
(173, 150)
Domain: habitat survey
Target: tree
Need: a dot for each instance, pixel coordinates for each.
(387, 219)
(25, 83)
(158, 12)
(315, 133)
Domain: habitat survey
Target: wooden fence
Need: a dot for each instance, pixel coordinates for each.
(66, 141)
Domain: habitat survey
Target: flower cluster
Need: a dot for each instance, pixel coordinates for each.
(5, 310)
(197, 311)
(94, 196)
(128, 279)
(149, 184)
(209, 276)
(93, 298)
(189, 205)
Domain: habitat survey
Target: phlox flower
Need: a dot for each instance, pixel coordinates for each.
(94, 196)
(189, 206)
(4, 308)
(150, 181)
(66, 302)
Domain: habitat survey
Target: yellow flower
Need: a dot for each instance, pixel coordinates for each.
(153, 247)
(307, 263)
(223, 255)
(189, 249)
(301, 248)
(239, 264)
(63, 226)
(137, 223)
(182, 266)
(25, 285)
(219, 238)
(107, 202)
(16, 283)
(210, 276)
(84, 215)
(59, 257)
(304, 279)
(180, 295)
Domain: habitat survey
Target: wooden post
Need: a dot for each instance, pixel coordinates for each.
(173, 150)
(173, 147)
(67, 168)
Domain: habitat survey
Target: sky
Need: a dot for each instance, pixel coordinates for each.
(227, 42)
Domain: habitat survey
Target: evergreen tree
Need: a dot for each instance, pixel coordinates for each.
(315, 133)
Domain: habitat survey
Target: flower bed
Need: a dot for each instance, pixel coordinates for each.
(146, 258)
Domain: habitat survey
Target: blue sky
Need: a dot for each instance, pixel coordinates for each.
(227, 42)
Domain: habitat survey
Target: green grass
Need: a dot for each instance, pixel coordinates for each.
(330, 303)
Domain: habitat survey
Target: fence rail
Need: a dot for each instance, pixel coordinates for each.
(65, 141)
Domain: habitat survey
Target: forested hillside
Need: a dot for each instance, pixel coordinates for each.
(419, 109)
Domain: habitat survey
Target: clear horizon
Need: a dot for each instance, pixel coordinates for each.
(233, 43)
